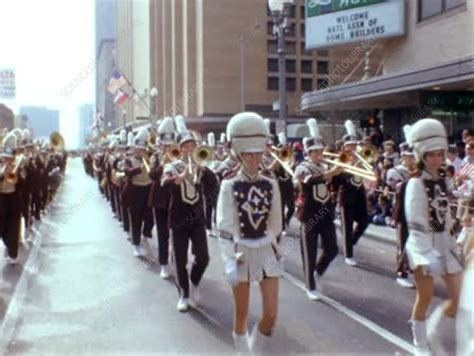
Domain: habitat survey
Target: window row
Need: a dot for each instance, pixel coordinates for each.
(306, 66)
(430, 8)
(306, 84)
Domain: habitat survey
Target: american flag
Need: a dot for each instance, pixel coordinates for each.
(116, 82)
(467, 170)
(120, 98)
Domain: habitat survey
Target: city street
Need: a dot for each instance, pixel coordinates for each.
(84, 293)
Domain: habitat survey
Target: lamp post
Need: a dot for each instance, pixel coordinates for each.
(279, 10)
(243, 40)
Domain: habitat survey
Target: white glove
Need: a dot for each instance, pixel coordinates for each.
(231, 271)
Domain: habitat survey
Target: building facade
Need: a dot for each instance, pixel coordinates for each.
(40, 120)
(427, 72)
(86, 121)
(213, 58)
(105, 40)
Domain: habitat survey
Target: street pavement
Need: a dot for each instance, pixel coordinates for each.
(80, 291)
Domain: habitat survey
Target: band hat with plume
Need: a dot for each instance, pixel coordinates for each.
(130, 139)
(351, 137)
(405, 148)
(141, 138)
(114, 142)
(26, 137)
(211, 139)
(223, 138)
(166, 131)
(268, 123)
(247, 133)
(427, 135)
(313, 141)
(10, 143)
(123, 138)
(184, 135)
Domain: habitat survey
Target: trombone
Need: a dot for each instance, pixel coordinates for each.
(341, 160)
(283, 156)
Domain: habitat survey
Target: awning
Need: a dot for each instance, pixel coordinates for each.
(401, 89)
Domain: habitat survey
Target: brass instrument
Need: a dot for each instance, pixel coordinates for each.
(342, 161)
(203, 155)
(285, 153)
(57, 141)
(146, 164)
(11, 176)
(172, 153)
(368, 152)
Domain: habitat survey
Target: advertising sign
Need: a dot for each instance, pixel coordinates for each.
(7, 83)
(329, 24)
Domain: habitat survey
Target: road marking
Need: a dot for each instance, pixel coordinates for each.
(387, 335)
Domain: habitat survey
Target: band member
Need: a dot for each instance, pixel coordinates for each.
(249, 215)
(160, 195)
(352, 198)
(187, 221)
(139, 191)
(316, 211)
(285, 183)
(397, 178)
(117, 176)
(390, 154)
(11, 185)
(431, 249)
(211, 190)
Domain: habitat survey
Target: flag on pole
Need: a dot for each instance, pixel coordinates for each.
(120, 98)
(116, 82)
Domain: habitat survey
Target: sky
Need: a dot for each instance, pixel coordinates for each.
(50, 43)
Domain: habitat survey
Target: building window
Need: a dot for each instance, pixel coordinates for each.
(429, 8)
(323, 53)
(305, 51)
(306, 66)
(272, 65)
(303, 29)
(322, 84)
(272, 83)
(303, 12)
(291, 84)
(272, 46)
(291, 31)
(270, 28)
(323, 67)
(291, 47)
(306, 84)
(290, 66)
(292, 12)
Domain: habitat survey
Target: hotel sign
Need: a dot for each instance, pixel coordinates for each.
(7, 83)
(340, 22)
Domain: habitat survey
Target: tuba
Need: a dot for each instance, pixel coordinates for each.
(56, 141)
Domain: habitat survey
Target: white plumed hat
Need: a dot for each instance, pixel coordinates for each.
(427, 135)
(247, 133)
(166, 131)
(141, 138)
(351, 136)
(313, 141)
(211, 139)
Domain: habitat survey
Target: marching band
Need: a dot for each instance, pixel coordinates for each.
(244, 190)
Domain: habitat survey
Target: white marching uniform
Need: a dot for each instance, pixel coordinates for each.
(430, 243)
(249, 214)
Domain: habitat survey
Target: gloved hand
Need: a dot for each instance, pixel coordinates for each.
(231, 272)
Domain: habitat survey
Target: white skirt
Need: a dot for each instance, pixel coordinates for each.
(258, 263)
(442, 259)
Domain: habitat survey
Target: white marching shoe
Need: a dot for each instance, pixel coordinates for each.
(405, 282)
(350, 261)
(258, 341)
(420, 340)
(441, 331)
(137, 251)
(313, 294)
(13, 261)
(183, 305)
(195, 293)
(241, 343)
(165, 272)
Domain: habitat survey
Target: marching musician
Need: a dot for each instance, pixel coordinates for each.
(316, 211)
(11, 189)
(211, 190)
(138, 192)
(117, 175)
(397, 179)
(352, 198)
(160, 194)
(187, 220)
(430, 248)
(249, 215)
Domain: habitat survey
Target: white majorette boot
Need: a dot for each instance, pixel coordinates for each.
(258, 341)
(441, 331)
(420, 340)
(242, 343)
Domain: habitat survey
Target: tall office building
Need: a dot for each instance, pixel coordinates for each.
(86, 120)
(41, 120)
